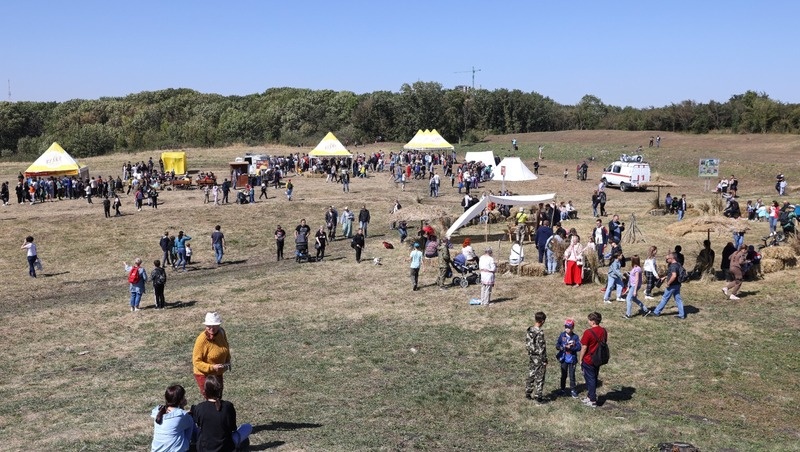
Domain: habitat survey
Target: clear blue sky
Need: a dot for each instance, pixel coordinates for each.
(639, 53)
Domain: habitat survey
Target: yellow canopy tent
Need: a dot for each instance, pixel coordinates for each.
(429, 140)
(55, 161)
(330, 146)
(174, 161)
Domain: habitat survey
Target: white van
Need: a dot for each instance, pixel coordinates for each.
(627, 174)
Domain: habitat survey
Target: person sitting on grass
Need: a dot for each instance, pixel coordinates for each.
(216, 419)
(173, 427)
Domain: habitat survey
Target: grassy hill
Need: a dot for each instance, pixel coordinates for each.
(343, 356)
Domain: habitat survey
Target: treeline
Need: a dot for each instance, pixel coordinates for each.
(175, 118)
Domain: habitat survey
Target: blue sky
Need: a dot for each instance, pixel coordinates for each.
(638, 53)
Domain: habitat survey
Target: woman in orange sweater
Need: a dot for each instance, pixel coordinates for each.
(211, 354)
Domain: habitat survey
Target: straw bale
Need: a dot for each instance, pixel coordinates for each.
(783, 253)
(502, 267)
(769, 265)
(532, 269)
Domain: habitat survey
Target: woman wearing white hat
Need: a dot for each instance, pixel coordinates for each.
(211, 354)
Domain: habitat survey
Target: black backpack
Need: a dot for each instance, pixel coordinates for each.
(159, 277)
(683, 276)
(601, 354)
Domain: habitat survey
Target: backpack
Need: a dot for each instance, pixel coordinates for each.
(159, 277)
(682, 275)
(601, 354)
(133, 276)
(431, 249)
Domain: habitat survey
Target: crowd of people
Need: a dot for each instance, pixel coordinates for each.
(212, 423)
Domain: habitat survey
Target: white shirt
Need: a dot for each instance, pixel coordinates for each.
(487, 267)
(650, 266)
(31, 248)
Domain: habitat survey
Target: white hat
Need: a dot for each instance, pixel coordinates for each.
(212, 319)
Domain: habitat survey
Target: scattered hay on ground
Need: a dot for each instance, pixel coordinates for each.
(717, 224)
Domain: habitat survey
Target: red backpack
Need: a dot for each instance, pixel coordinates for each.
(133, 276)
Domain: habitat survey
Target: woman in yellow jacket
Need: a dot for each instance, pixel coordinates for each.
(211, 355)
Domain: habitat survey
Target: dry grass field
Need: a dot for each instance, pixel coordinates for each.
(336, 355)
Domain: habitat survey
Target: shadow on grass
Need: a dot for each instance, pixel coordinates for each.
(240, 261)
(620, 394)
(501, 300)
(284, 426)
(689, 309)
(47, 275)
(180, 304)
(265, 446)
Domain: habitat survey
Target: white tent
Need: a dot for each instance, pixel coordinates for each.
(487, 157)
(474, 211)
(515, 170)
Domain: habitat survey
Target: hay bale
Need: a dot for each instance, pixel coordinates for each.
(502, 267)
(783, 253)
(769, 265)
(532, 269)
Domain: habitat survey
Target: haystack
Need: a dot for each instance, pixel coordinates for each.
(769, 265)
(784, 254)
(778, 252)
(719, 225)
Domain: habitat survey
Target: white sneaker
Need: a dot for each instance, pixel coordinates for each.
(607, 301)
(648, 297)
(725, 290)
(733, 297)
(620, 299)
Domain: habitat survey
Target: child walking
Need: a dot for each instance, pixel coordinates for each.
(568, 345)
(537, 352)
(634, 282)
(614, 278)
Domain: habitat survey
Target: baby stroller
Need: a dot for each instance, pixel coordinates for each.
(467, 270)
(301, 251)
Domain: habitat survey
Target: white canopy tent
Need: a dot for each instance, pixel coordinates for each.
(474, 211)
(515, 170)
(487, 157)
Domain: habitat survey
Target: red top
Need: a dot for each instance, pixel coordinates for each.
(590, 342)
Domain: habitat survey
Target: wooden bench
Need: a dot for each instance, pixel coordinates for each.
(206, 182)
(181, 183)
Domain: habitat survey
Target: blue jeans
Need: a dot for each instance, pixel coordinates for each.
(242, 433)
(738, 240)
(136, 297)
(347, 229)
(552, 262)
(613, 281)
(181, 258)
(680, 215)
(635, 299)
(363, 225)
(590, 375)
(31, 266)
(773, 224)
(669, 292)
(218, 252)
